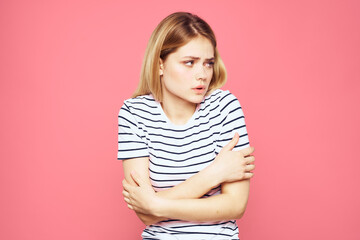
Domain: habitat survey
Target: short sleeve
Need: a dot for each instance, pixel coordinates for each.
(234, 121)
(131, 138)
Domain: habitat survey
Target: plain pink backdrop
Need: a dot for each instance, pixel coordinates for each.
(66, 67)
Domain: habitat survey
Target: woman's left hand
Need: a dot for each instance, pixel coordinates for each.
(141, 198)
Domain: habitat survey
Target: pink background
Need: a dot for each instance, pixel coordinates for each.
(66, 67)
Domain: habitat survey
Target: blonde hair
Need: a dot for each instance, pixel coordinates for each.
(173, 32)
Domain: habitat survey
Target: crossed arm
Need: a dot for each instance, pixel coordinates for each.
(231, 169)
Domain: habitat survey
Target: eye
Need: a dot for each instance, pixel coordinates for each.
(189, 63)
(210, 64)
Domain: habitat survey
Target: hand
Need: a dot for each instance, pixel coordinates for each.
(234, 165)
(141, 198)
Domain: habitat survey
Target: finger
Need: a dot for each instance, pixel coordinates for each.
(130, 207)
(249, 159)
(232, 143)
(247, 151)
(248, 175)
(137, 179)
(127, 200)
(125, 193)
(249, 167)
(126, 185)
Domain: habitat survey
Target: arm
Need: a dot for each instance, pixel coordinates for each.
(231, 202)
(222, 170)
(141, 166)
(194, 187)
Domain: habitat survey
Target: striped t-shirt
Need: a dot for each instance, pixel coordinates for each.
(176, 152)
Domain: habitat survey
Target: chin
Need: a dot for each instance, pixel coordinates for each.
(197, 99)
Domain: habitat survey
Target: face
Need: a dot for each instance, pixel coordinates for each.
(187, 72)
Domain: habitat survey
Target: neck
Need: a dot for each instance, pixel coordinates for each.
(178, 111)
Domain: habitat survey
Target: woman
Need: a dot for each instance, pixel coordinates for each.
(183, 141)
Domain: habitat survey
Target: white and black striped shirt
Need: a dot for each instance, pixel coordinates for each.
(176, 152)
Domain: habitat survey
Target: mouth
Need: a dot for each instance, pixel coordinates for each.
(199, 89)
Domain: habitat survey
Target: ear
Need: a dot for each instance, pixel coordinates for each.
(161, 69)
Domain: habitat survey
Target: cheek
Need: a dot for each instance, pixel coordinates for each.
(175, 72)
(211, 73)
(179, 74)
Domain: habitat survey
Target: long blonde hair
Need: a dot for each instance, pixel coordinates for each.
(174, 31)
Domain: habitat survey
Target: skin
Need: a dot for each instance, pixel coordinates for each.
(188, 67)
(182, 71)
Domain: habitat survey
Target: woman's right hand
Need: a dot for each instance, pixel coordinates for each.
(234, 166)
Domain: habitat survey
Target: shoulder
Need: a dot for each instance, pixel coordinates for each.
(143, 101)
(142, 109)
(140, 103)
(223, 99)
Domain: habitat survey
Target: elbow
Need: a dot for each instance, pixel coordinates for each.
(235, 207)
(239, 211)
(148, 221)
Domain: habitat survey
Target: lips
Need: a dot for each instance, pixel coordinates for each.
(200, 87)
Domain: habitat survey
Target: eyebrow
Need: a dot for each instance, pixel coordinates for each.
(197, 58)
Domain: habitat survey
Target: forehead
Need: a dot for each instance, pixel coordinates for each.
(197, 47)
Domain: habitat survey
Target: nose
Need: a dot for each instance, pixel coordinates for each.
(201, 73)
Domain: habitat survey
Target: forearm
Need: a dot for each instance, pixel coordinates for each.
(195, 186)
(214, 208)
(191, 189)
(233, 167)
